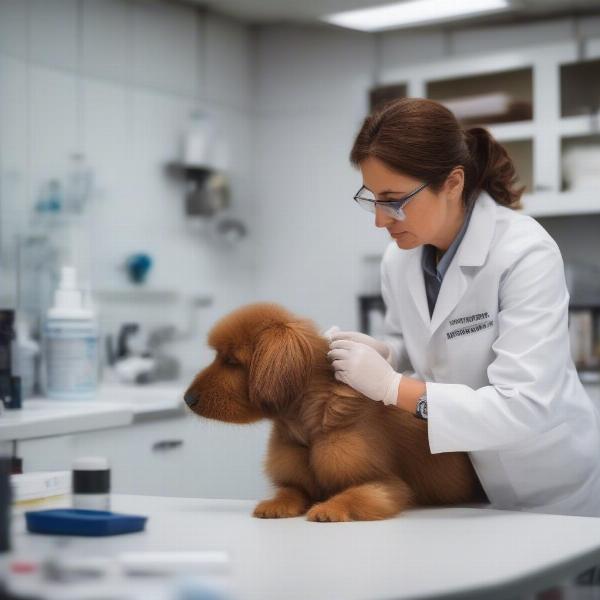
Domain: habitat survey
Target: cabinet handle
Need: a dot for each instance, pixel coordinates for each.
(166, 445)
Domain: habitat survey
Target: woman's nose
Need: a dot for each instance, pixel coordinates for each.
(382, 219)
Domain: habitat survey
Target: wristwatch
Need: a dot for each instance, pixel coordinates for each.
(421, 410)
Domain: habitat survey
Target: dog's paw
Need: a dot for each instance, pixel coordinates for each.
(329, 512)
(279, 509)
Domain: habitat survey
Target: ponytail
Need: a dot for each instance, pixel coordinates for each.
(492, 169)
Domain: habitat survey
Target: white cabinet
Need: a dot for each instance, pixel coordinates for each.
(559, 78)
(146, 458)
(46, 454)
(181, 455)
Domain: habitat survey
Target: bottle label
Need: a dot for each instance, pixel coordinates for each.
(72, 365)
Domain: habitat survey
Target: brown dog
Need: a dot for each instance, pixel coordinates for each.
(332, 452)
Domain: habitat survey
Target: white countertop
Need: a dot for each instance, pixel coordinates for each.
(466, 551)
(114, 406)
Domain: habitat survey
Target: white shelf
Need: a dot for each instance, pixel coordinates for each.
(507, 132)
(548, 204)
(579, 126)
(137, 294)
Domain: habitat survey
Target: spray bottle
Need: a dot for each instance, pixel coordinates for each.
(71, 343)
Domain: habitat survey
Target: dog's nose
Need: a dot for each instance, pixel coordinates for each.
(190, 399)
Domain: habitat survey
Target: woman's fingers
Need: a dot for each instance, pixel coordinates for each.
(345, 335)
(327, 334)
(339, 353)
(347, 344)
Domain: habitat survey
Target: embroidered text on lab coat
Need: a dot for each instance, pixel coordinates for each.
(473, 328)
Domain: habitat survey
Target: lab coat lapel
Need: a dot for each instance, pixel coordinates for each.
(416, 285)
(472, 252)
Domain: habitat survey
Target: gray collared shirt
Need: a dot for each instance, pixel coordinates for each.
(434, 275)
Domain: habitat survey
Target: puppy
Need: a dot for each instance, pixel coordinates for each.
(333, 454)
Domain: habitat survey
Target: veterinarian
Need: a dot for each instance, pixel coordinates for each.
(476, 326)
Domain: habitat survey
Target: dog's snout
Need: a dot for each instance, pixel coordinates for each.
(190, 398)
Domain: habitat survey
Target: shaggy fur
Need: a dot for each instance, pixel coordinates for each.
(333, 454)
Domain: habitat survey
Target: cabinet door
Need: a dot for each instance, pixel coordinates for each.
(183, 456)
(145, 458)
(46, 454)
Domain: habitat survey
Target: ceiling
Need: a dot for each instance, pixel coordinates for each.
(309, 11)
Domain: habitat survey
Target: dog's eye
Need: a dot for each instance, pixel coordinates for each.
(229, 360)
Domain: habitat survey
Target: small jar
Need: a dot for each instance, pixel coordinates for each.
(91, 483)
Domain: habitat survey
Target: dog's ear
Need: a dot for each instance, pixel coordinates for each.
(281, 366)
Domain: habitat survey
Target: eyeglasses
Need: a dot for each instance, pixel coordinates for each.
(366, 199)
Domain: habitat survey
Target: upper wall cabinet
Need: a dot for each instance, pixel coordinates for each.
(482, 99)
(541, 102)
(580, 88)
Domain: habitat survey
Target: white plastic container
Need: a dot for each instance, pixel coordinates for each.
(70, 343)
(91, 483)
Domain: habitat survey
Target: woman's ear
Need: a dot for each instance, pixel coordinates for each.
(280, 367)
(455, 183)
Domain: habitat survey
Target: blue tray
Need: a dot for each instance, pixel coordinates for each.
(74, 521)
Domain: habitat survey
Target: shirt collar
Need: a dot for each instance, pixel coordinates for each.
(429, 251)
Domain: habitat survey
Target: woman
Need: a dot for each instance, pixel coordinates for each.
(476, 313)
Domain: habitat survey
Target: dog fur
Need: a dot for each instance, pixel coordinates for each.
(333, 454)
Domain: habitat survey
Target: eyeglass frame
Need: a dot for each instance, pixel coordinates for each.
(397, 205)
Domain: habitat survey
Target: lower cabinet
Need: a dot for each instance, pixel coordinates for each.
(182, 456)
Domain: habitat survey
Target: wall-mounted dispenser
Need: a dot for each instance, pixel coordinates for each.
(207, 192)
(203, 165)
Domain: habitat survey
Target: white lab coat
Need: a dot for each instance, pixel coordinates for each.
(495, 357)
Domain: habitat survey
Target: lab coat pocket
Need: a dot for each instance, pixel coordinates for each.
(542, 469)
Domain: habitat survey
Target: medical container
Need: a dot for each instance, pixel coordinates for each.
(70, 343)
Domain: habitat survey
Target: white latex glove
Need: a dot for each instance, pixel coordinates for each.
(383, 348)
(327, 334)
(364, 369)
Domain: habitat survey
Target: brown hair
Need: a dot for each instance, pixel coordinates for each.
(422, 138)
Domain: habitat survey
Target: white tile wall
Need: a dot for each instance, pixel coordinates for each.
(310, 100)
(14, 28)
(14, 149)
(117, 80)
(54, 123)
(165, 41)
(411, 48)
(312, 70)
(228, 66)
(107, 43)
(54, 33)
(516, 36)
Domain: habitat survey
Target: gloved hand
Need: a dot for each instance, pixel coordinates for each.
(329, 332)
(364, 369)
(383, 348)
